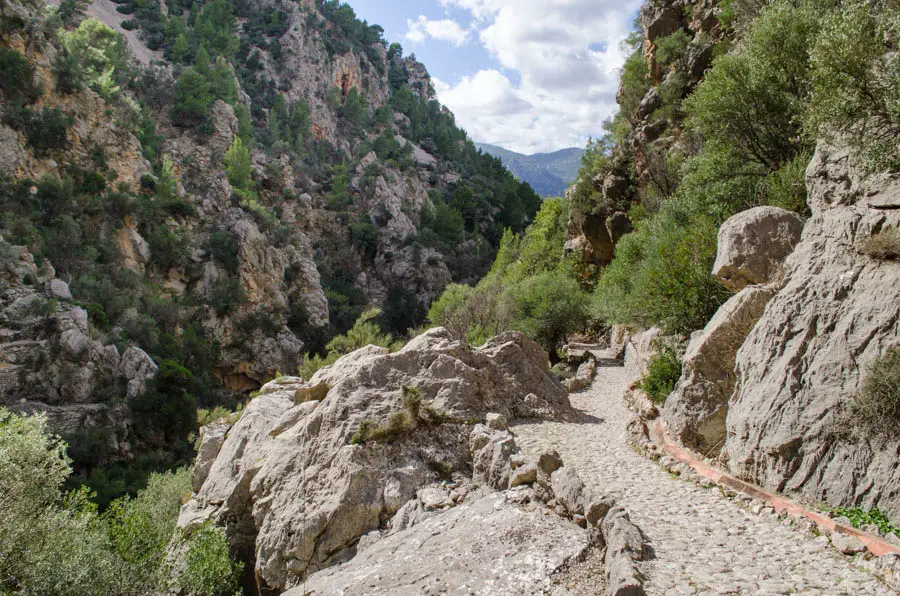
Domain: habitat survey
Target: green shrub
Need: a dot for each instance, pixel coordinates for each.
(209, 568)
(17, 77)
(224, 247)
(663, 372)
(237, 165)
(449, 310)
(402, 311)
(365, 331)
(166, 413)
(860, 518)
(47, 130)
(192, 100)
(226, 295)
(547, 307)
(661, 274)
(876, 408)
(141, 528)
(68, 73)
(772, 69)
(364, 237)
(855, 69)
(97, 53)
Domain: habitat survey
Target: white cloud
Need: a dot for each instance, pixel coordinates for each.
(443, 30)
(561, 85)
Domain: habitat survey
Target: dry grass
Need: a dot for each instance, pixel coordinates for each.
(882, 245)
(876, 407)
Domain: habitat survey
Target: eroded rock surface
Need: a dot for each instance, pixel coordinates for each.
(695, 412)
(492, 545)
(753, 246)
(804, 361)
(297, 484)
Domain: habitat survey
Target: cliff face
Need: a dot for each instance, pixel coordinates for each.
(790, 423)
(128, 182)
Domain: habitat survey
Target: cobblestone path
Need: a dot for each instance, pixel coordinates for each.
(703, 543)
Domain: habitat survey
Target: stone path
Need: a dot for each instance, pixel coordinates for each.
(702, 542)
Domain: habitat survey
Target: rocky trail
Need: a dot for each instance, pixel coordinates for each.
(701, 542)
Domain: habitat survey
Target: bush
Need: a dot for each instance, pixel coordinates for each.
(364, 237)
(882, 245)
(17, 77)
(141, 528)
(855, 69)
(772, 69)
(660, 274)
(97, 53)
(548, 307)
(192, 100)
(166, 413)
(226, 296)
(237, 165)
(47, 130)
(209, 568)
(224, 247)
(365, 331)
(663, 372)
(402, 311)
(876, 407)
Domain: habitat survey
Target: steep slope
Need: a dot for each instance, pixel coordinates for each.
(549, 174)
(239, 202)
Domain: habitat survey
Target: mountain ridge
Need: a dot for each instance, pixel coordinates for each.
(548, 173)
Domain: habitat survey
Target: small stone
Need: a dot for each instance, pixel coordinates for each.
(497, 422)
(434, 498)
(57, 288)
(549, 462)
(525, 474)
(596, 508)
(849, 545)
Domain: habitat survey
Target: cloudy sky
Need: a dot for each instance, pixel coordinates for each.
(528, 75)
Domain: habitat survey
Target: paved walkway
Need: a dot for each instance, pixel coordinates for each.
(702, 542)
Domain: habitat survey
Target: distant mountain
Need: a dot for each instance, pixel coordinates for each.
(549, 174)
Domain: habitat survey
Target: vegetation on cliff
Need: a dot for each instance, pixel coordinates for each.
(161, 252)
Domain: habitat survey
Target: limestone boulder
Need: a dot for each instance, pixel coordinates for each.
(492, 545)
(639, 349)
(212, 436)
(753, 246)
(803, 362)
(297, 485)
(695, 412)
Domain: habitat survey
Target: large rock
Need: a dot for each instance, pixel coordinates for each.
(753, 246)
(803, 362)
(296, 485)
(489, 546)
(695, 412)
(639, 349)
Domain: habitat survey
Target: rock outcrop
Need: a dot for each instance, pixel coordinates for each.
(491, 545)
(695, 412)
(297, 482)
(802, 364)
(753, 246)
(52, 359)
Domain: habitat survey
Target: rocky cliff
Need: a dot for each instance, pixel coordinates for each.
(226, 192)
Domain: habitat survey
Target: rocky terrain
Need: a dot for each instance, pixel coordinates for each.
(358, 463)
(226, 226)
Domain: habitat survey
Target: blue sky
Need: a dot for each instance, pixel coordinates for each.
(529, 75)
